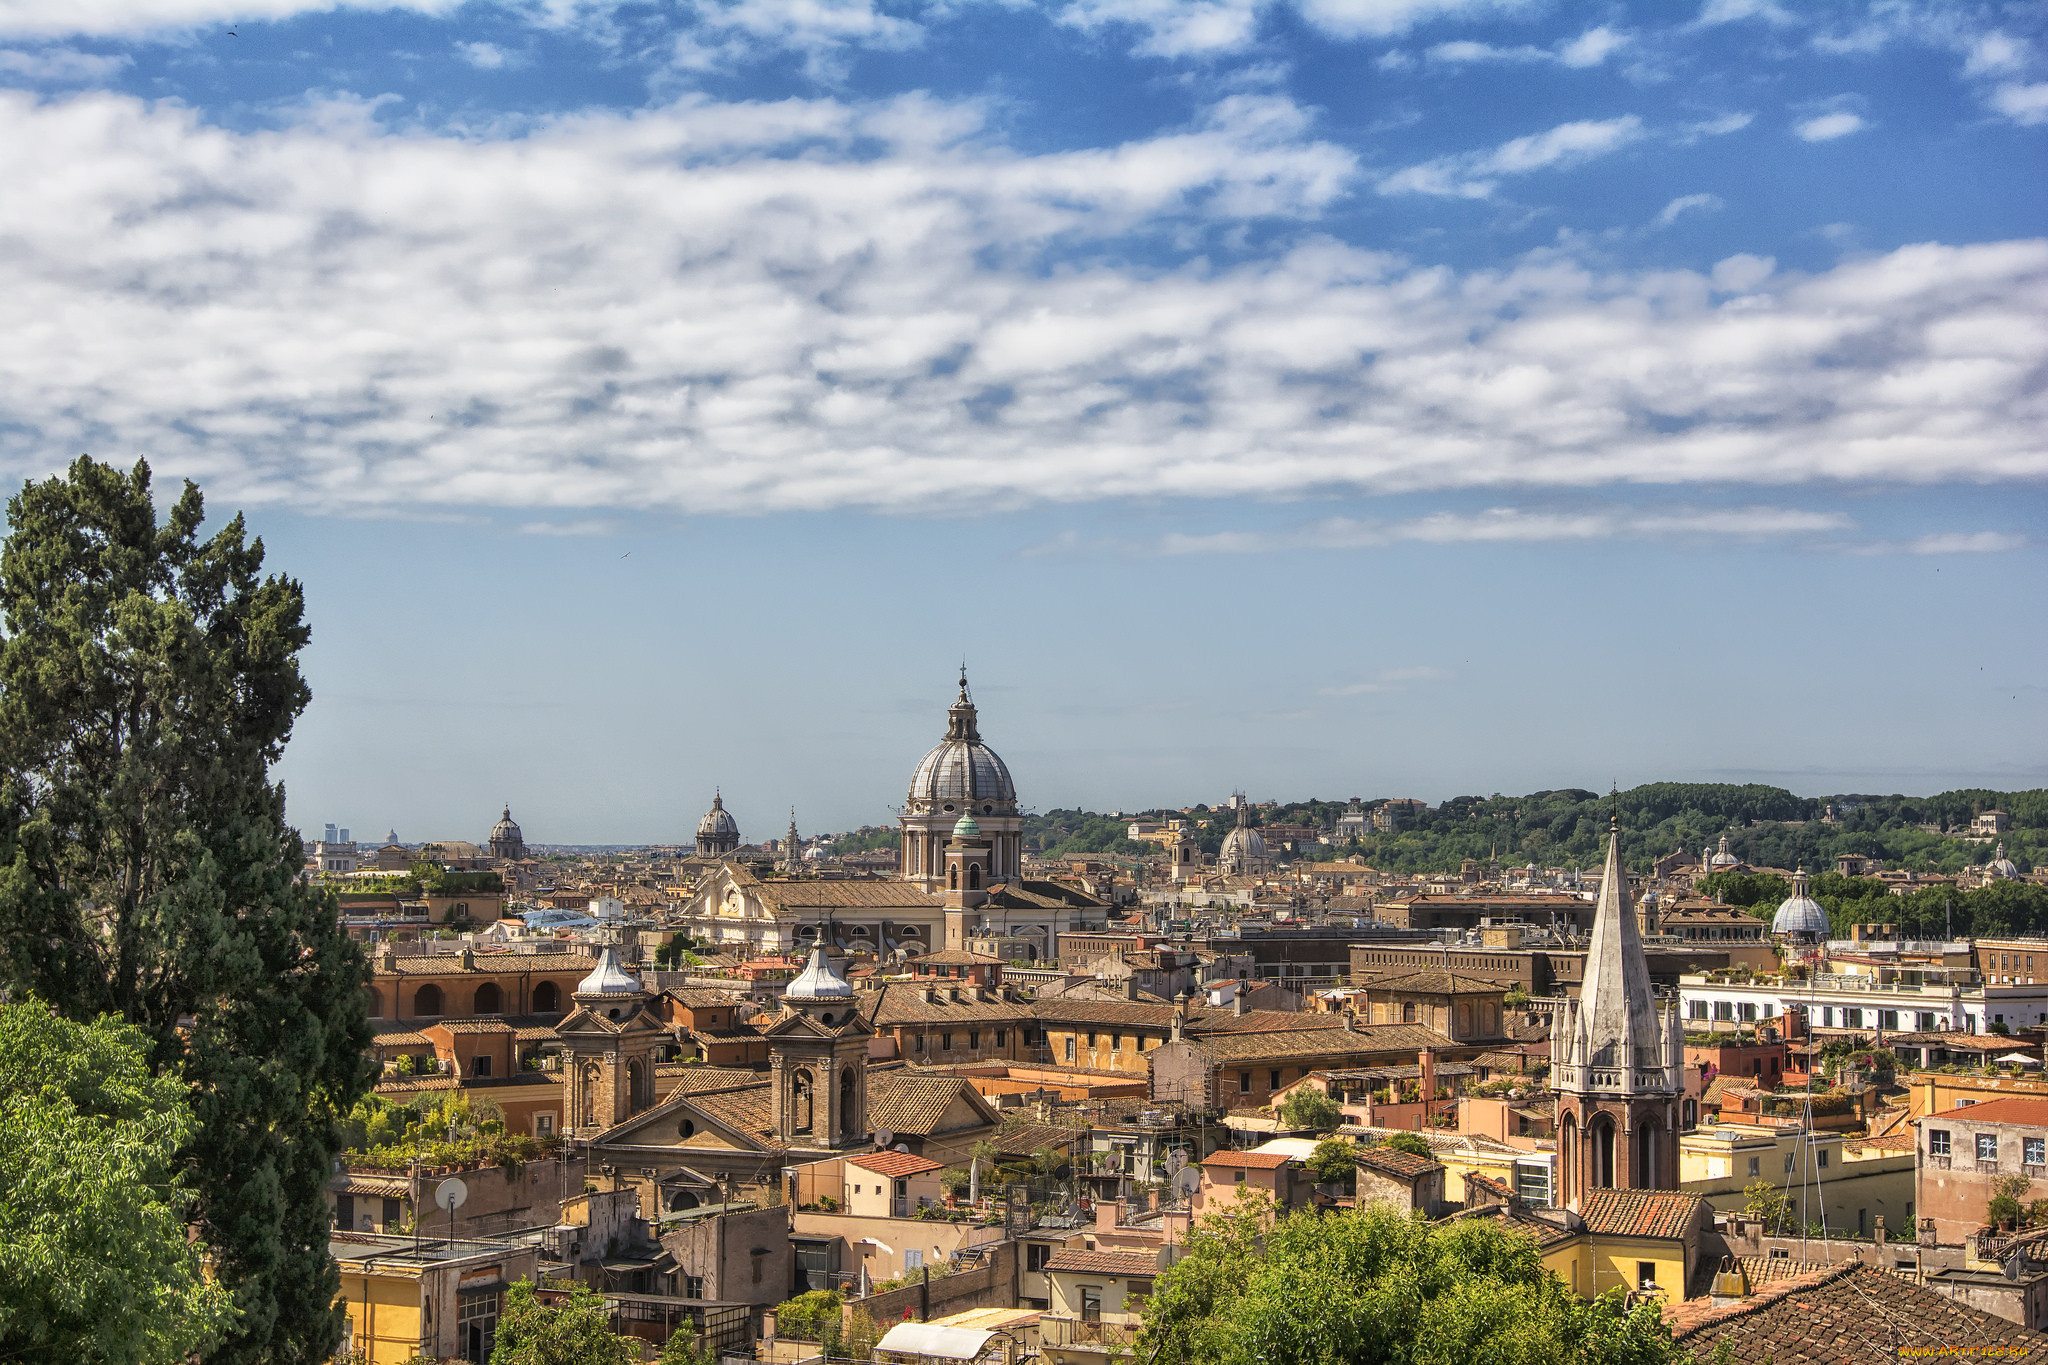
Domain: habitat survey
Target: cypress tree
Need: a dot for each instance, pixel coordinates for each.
(149, 679)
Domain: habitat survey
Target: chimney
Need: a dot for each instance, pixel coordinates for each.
(466, 958)
(1130, 988)
(1350, 1022)
(1428, 1077)
(1237, 1001)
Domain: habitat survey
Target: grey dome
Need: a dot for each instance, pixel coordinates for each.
(1800, 914)
(1244, 842)
(960, 767)
(817, 981)
(2002, 867)
(718, 821)
(1724, 858)
(506, 829)
(608, 978)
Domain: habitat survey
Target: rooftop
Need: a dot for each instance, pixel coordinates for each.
(2024, 1110)
(1846, 1315)
(1640, 1213)
(894, 1165)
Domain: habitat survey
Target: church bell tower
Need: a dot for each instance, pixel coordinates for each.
(1617, 1060)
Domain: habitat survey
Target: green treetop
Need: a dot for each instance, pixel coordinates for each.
(148, 680)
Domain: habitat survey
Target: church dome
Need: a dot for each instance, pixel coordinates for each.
(718, 821)
(1244, 843)
(961, 769)
(608, 978)
(2002, 867)
(966, 828)
(1800, 914)
(817, 981)
(1723, 858)
(506, 841)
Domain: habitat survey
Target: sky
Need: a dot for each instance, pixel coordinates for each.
(1309, 397)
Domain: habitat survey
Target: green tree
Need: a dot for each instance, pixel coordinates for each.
(1413, 1143)
(809, 1316)
(1765, 1203)
(1310, 1108)
(682, 1349)
(148, 680)
(1376, 1287)
(1333, 1162)
(578, 1332)
(93, 1253)
(2004, 1205)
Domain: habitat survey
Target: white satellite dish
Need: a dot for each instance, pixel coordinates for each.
(450, 1194)
(903, 1147)
(1176, 1161)
(1188, 1181)
(883, 1137)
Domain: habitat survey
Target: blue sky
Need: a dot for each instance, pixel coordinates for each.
(1332, 397)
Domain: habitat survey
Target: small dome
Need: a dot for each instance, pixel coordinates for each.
(506, 828)
(1800, 914)
(608, 978)
(2002, 867)
(817, 981)
(1723, 858)
(718, 821)
(966, 828)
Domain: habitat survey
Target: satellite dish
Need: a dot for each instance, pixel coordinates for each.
(1176, 1161)
(1188, 1181)
(883, 1137)
(450, 1194)
(903, 1147)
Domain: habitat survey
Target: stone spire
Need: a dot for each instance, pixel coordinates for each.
(1616, 1040)
(792, 847)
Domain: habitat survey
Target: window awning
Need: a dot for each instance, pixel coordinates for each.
(930, 1339)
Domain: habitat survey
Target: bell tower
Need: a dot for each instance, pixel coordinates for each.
(613, 1042)
(818, 1059)
(1617, 1059)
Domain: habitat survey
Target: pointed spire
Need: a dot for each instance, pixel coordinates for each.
(1616, 1032)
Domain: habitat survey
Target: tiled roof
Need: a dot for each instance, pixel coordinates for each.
(472, 1025)
(1324, 1042)
(402, 1040)
(905, 1004)
(1129, 1264)
(691, 1080)
(2024, 1110)
(1435, 982)
(1026, 1138)
(1640, 1213)
(1847, 1315)
(907, 1103)
(795, 898)
(698, 998)
(1546, 1233)
(1393, 1161)
(487, 964)
(744, 1111)
(894, 1165)
(954, 957)
(1202, 1020)
(1251, 1161)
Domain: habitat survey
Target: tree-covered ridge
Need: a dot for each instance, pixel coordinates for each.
(1765, 826)
(1930, 913)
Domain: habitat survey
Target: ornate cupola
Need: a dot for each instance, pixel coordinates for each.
(1617, 1059)
(967, 865)
(613, 1042)
(961, 776)
(817, 1058)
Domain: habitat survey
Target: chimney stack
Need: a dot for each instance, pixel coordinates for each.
(1237, 1000)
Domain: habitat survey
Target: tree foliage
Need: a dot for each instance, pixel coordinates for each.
(1334, 1162)
(95, 1265)
(579, 1332)
(1374, 1286)
(1412, 1143)
(148, 680)
(809, 1316)
(1308, 1107)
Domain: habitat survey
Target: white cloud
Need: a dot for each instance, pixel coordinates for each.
(60, 65)
(1731, 11)
(111, 17)
(1688, 203)
(1465, 51)
(728, 308)
(588, 526)
(1742, 273)
(1966, 543)
(1386, 680)
(1994, 54)
(1385, 18)
(1828, 127)
(487, 56)
(1173, 28)
(1474, 175)
(1515, 525)
(1592, 47)
(2022, 103)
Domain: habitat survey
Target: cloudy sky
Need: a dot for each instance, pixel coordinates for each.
(1318, 397)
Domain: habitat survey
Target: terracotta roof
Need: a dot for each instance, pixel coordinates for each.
(1251, 1161)
(402, 1040)
(1202, 1020)
(1436, 982)
(905, 1004)
(472, 1025)
(1393, 1161)
(1546, 1233)
(1324, 1042)
(744, 1111)
(1130, 1264)
(908, 1103)
(1640, 1213)
(691, 1079)
(487, 964)
(954, 957)
(894, 1164)
(1026, 1138)
(1847, 1315)
(2025, 1110)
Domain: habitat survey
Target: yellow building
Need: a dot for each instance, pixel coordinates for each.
(1853, 1181)
(440, 1299)
(1632, 1239)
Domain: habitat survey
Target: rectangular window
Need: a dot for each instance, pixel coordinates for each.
(1002, 1037)
(973, 1038)
(480, 1065)
(2034, 1151)
(543, 1124)
(1091, 1304)
(1646, 1274)
(1116, 1042)
(945, 1042)
(693, 1286)
(1821, 1159)
(1788, 1161)
(1273, 1079)
(1888, 1019)
(394, 1214)
(1036, 1254)
(913, 1258)
(1244, 1082)
(1091, 1040)
(1987, 1146)
(1070, 1047)
(1937, 1142)
(345, 1211)
(1755, 1165)
(1240, 1177)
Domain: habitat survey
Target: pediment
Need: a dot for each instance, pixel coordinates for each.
(797, 1024)
(587, 1024)
(662, 1127)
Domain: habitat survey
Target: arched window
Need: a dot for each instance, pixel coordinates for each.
(1645, 1152)
(800, 1102)
(974, 876)
(1568, 1154)
(953, 879)
(636, 1085)
(547, 998)
(489, 999)
(848, 1125)
(586, 1106)
(427, 1000)
(1408, 1012)
(1601, 1131)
